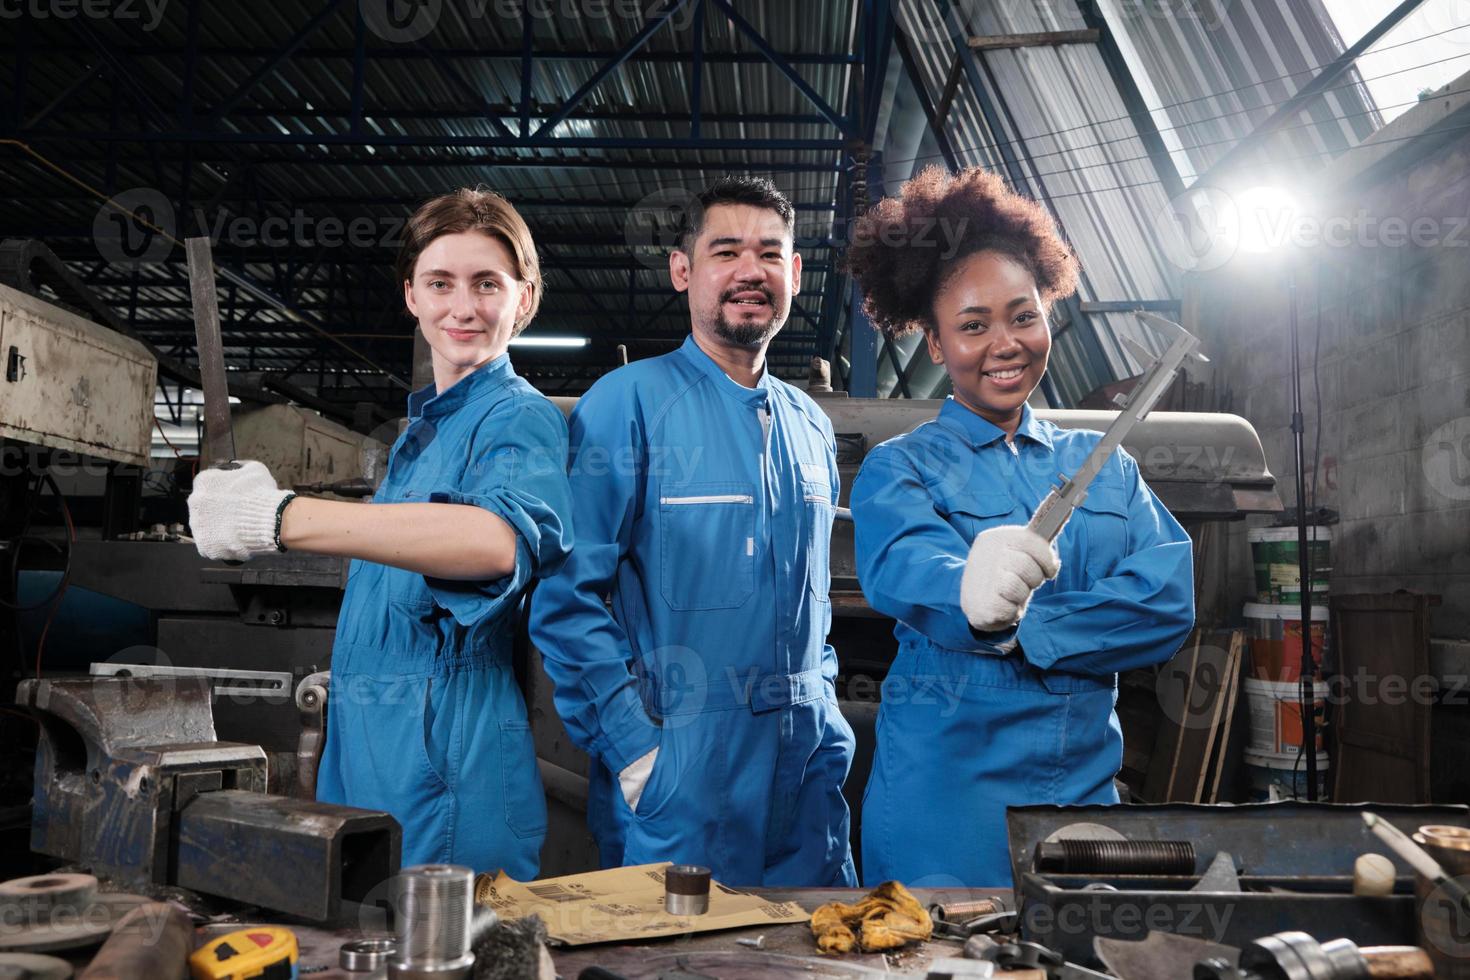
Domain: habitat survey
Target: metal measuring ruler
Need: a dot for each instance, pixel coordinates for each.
(1051, 516)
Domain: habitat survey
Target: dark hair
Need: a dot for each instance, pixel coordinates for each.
(757, 192)
(900, 263)
(474, 210)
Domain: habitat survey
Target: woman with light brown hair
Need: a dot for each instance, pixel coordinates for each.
(426, 720)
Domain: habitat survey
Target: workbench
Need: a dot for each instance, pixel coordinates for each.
(716, 954)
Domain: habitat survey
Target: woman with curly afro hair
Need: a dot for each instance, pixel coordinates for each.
(1003, 689)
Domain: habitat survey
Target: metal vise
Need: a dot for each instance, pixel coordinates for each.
(131, 782)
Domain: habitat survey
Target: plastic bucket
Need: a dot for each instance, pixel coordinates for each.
(1276, 715)
(1278, 574)
(1276, 639)
(1279, 775)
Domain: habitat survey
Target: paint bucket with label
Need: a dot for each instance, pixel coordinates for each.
(1276, 714)
(1276, 639)
(1278, 575)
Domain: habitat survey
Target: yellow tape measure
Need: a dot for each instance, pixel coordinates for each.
(265, 952)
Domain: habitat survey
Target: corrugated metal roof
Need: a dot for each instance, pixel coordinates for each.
(1078, 149)
(604, 279)
(436, 109)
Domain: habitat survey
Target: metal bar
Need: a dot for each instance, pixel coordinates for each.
(273, 65)
(995, 42)
(804, 313)
(219, 436)
(487, 111)
(903, 383)
(862, 350)
(512, 112)
(191, 63)
(484, 161)
(79, 83)
(696, 72)
(1319, 82)
(406, 53)
(488, 142)
(878, 29)
(359, 65)
(1129, 305)
(1133, 101)
(671, 7)
(951, 89)
(916, 79)
(528, 43)
(784, 66)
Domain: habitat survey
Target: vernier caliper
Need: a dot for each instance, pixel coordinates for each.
(1053, 512)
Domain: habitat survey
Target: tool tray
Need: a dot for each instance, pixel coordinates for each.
(1295, 862)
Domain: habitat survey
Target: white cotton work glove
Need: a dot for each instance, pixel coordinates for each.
(1005, 566)
(233, 512)
(635, 776)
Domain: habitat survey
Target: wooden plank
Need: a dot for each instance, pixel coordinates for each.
(993, 42)
(1228, 721)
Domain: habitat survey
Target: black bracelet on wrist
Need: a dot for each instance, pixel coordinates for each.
(280, 512)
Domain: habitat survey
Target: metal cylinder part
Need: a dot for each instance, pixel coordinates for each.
(433, 906)
(363, 955)
(1297, 956)
(1123, 857)
(965, 911)
(153, 940)
(38, 895)
(686, 889)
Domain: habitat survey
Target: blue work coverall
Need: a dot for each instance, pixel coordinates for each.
(425, 719)
(704, 510)
(974, 722)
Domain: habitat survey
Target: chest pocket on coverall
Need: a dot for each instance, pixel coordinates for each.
(819, 516)
(1103, 531)
(707, 544)
(970, 513)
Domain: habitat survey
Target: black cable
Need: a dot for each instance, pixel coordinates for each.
(18, 541)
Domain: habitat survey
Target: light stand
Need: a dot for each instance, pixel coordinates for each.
(1304, 563)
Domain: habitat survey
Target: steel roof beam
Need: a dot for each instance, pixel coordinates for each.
(482, 161)
(1133, 100)
(1319, 83)
(696, 72)
(403, 53)
(446, 140)
(931, 113)
(456, 80)
(583, 113)
(671, 7)
(277, 59)
(842, 124)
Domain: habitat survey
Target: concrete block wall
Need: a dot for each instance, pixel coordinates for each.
(1385, 321)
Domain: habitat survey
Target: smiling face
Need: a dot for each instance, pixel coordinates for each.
(740, 273)
(990, 333)
(466, 297)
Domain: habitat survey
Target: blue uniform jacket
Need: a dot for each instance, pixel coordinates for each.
(1124, 597)
(970, 722)
(492, 441)
(713, 540)
(426, 720)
